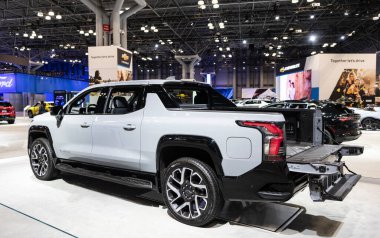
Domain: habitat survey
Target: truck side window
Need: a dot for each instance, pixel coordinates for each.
(124, 100)
(92, 102)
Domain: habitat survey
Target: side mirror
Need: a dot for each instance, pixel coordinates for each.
(54, 111)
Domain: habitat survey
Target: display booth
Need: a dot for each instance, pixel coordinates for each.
(348, 78)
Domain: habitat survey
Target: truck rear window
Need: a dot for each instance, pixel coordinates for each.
(5, 104)
(197, 97)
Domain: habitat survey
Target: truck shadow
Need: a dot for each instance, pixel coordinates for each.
(269, 216)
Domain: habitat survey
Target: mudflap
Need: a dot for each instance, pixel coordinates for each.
(325, 171)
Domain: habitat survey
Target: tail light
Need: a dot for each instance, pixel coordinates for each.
(344, 118)
(273, 139)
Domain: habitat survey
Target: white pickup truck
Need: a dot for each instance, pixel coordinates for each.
(190, 144)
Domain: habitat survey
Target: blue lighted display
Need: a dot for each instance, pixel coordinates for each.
(7, 83)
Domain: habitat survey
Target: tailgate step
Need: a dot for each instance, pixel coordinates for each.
(331, 187)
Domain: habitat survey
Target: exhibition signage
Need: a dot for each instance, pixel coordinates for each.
(106, 27)
(7, 83)
(109, 64)
(290, 67)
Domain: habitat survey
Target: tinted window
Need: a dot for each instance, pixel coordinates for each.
(124, 100)
(275, 106)
(335, 108)
(5, 104)
(91, 102)
(194, 96)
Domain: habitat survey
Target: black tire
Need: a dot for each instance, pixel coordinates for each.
(369, 124)
(328, 138)
(11, 121)
(202, 195)
(41, 159)
(30, 114)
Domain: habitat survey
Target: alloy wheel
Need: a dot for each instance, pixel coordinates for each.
(186, 192)
(39, 159)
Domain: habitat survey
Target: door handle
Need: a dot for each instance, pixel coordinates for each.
(129, 127)
(85, 125)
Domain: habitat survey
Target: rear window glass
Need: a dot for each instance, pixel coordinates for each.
(5, 104)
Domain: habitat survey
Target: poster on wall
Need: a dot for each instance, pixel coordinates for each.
(295, 86)
(109, 64)
(7, 83)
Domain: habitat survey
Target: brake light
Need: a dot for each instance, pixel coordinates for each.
(273, 139)
(344, 118)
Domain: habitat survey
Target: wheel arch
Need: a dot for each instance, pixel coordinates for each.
(172, 147)
(40, 132)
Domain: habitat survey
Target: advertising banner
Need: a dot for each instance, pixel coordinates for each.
(109, 64)
(7, 83)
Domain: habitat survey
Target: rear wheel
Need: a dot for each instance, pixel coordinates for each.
(369, 124)
(30, 114)
(41, 159)
(191, 192)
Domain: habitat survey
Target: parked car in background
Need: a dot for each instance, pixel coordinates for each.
(258, 103)
(35, 109)
(341, 123)
(369, 117)
(7, 112)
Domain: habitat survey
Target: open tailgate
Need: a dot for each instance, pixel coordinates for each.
(324, 168)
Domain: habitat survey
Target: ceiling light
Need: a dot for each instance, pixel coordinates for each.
(215, 6)
(65, 47)
(211, 27)
(72, 47)
(298, 30)
(209, 24)
(203, 7)
(274, 54)
(214, 1)
(230, 55)
(40, 14)
(48, 18)
(146, 30)
(313, 53)
(81, 32)
(228, 48)
(90, 31)
(220, 49)
(156, 45)
(321, 52)
(279, 47)
(39, 36)
(34, 33)
(325, 45)
(155, 30)
(277, 18)
(285, 37)
(216, 40)
(270, 47)
(156, 56)
(312, 16)
(275, 38)
(31, 37)
(51, 13)
(313, 38)
(375, 18)
(59, 17)
(342, 37)
(294, 1)
(142, 28)
(25, 34)
(346, 13)
(244, 41)
(224, 56)
(201, 2)
(221, 25)
(152, 27)
(86, 34)
(310, 1)
(333, 45)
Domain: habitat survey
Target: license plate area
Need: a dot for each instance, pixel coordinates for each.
(4, 111)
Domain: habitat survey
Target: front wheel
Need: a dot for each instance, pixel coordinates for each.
(369, 124)
(191, 192)
(41, 159)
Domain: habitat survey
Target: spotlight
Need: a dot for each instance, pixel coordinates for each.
(277, 18)
(51, 13)
(48, 18)
(40, 14)
(313, 38)
(58, 17)
(244, 42)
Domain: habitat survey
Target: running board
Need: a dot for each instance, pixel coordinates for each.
(128, 181)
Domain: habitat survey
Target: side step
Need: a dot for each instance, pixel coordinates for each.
(128, 181)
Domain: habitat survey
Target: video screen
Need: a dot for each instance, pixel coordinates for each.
(296, 86)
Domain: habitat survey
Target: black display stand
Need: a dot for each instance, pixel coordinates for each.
(273, 217)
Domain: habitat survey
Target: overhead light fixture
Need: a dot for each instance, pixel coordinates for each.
(155, 30)
(295, 1)
(313, 53)
(91, 31)
(221, 25)
(220, 49)
(51, 13)
(156, 45)
(152, 27)
(342, 37)
(146, 30)
(142, 28)
(346, 13)
(298, 30)
(312, 16)
(31, 37)
(285, 37)
(201, 2)
(313, 38)
(333, 45)
(279, 47)
(214, 1)
(25, 34)
(40, 36)
(72, 47)
(325, 45)
(270, 47)
(203, 7)
(216, 40)
(274, 54)
(277, 18)
(275, 38)
(228, 48)
(40, 14)
(230, 55)
(310, 1)
(58, 17)
(48, 18)
(86, 34)
(321, 52)
(215, 6)
(375, 18)
(244, 42)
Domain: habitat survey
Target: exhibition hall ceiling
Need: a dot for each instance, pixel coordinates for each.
(220, 31)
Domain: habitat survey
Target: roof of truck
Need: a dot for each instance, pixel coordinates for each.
(145, 82)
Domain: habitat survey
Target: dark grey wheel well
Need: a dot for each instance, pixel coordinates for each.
(36, 132)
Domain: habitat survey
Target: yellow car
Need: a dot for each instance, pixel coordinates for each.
(35, 109)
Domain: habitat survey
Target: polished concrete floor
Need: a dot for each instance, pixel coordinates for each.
(74, 206)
